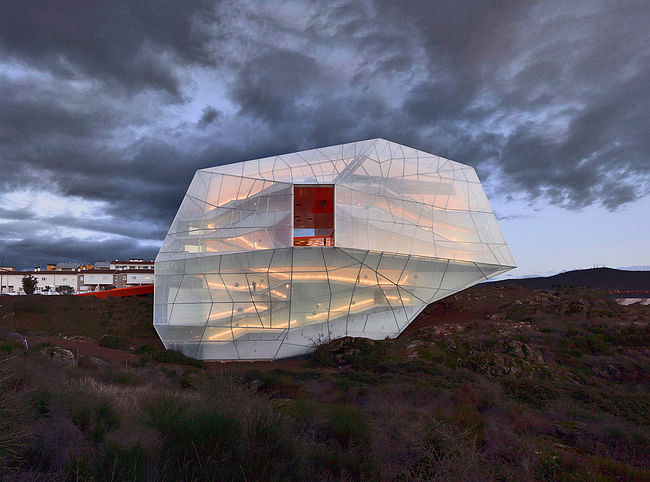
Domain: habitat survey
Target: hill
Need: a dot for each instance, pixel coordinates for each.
(602, 278)
(493, 383)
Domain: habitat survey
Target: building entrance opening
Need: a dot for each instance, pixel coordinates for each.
(313, 215)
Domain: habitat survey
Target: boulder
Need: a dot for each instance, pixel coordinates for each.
(61, 355)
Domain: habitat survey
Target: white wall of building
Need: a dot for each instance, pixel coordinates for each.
(80, 281)
(102, 279)
(131, 265)
(139, 278)
(13, 283)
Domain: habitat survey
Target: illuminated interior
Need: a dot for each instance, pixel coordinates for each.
(268, 257)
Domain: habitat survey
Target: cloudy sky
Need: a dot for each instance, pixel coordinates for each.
(108, 107)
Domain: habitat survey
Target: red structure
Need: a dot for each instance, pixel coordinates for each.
(313, 215)
(119, 292)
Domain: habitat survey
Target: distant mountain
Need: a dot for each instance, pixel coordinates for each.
(604, 278)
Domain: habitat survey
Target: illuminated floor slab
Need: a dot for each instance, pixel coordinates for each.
(266, 258)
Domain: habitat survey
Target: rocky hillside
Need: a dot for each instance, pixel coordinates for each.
(602, 278)
(504, 383)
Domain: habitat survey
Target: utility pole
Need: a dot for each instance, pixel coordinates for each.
(2, 269)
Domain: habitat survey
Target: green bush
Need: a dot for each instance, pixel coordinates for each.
(11, 435)
(112, 341)
(210, 441)
(343, 465)
(197, 442)
(41, 401)
(96, 419)
(346, 425)
(276, 383)
(448, 453)
(188, 380)
(126, 378)
(535, 393)
(112, 462)
(272, 450)
(6, 348)
(175, 357)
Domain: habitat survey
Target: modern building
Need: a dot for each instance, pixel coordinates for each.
(268, 257)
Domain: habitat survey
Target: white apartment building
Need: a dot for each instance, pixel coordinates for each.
(132, 264)
(143, 278)
(48, 281)
(80, 281)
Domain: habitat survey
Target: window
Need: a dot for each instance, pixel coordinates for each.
(313, 215)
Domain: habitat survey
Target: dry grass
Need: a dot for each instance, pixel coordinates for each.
(552, 386)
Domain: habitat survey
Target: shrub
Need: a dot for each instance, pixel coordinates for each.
(175, 357)
(146, 349)
(113, 462)
(219, 441)
(96, 418)
(343, 465)
(276, 383)
(188, 380)
(6, 348)
(11, 437)
(195, 440)
(112, 341)
(447, 453)
(535, 393)
(126, 378)
(272, 450)
(346, 425)
(41, 401)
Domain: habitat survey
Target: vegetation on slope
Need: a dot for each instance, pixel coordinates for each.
(492, 383)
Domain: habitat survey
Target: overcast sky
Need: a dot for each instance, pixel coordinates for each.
(108, 107)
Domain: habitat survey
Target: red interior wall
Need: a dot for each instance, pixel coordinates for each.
(313, 207)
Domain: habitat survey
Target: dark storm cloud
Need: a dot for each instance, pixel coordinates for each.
(137, 45)
(35, 251)
(578, 99)
(120, 102)
(209, 116)
(27, 112)
(32, 225)
(272, 86)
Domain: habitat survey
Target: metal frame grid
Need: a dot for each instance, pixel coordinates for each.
(410, 228)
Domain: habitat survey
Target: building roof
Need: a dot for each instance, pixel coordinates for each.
(139, 261)
(68, 265)
(390, 198)
(345, 162)
(75, 273)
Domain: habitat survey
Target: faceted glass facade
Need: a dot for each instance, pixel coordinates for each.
(235, 279)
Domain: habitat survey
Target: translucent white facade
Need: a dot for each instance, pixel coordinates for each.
(267, 257)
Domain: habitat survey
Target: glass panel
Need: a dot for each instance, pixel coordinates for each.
(193, 289)
(237, 286)
(190, 313)
(218, 351)
(460, 275)
(487, 227)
